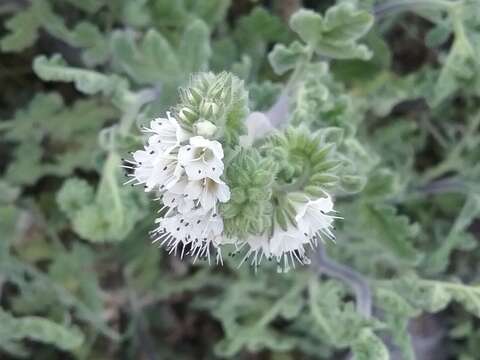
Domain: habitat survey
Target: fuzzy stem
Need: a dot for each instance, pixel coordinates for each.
(140, 98)
(402, 5)
(278, 113)
(355, 280)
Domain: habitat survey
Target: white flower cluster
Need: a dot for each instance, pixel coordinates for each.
(185, 169)
(314, 222)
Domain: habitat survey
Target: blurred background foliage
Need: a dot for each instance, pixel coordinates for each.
(79, 278)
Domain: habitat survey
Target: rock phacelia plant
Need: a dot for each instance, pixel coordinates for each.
(268, 196)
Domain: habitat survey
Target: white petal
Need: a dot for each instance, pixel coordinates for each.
(200, 169)
(223, 192)
(193, 189)
(215, 146)
(186, 154)
(208, 200)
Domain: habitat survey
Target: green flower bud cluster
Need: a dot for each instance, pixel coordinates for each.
(307, 161)
(220, 99)
(249, 210)
(307, 164)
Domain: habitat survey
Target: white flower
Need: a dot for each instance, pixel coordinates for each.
(154, 169)
(185, 194)
(174, 200)
(208, 192)
(195, 232)
(287, 246)
(188, 178)
(167, 133)
(258, 248)
(202, 158)
(313, 218)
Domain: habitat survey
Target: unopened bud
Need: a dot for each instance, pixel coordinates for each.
(205, 128)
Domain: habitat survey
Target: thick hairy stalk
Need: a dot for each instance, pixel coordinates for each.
(390, 7)
(355, 280)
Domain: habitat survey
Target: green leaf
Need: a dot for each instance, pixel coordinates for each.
(39, 329)
(88, 36)
(74, 194)
(150, 61)
(247, 317)
(194, 47)
(211, 12)
(381, 224)
(86, 81)
(90, 6)
(23, 27)
(438, 260)
(397, 312)
(284, 58)
(461, 66)
(336, 34)
(8, 193)
(435, 296)
(115, 210)
(8, 220)
(381, 183)
(369, 347)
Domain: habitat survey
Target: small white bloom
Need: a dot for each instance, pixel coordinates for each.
(167, 133)
(202, 158)
(155, 169)
(287, 246)
(174, 200)
(208, 192)
(258, 248)
(195, 232)
(314, 219)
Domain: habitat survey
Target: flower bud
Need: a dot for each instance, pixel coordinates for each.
(205, 128)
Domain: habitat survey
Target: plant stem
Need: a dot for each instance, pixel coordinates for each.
(454, 158)
(140, 98)
(388, 8)
(355, 280)
(278, 114)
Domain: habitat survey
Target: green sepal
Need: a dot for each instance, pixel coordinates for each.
(221, 99)
(250, 178)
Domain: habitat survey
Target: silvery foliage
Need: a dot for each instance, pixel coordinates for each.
(304, 122)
